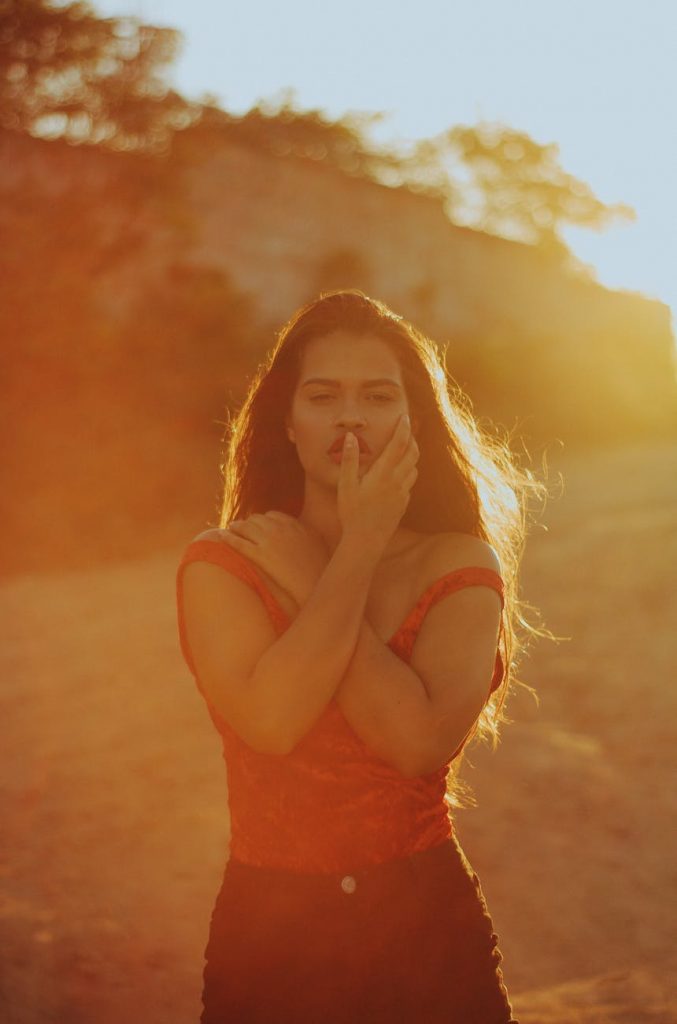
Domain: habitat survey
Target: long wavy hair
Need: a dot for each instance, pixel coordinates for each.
(468, 479)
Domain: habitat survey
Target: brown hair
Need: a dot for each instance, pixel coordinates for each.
(468, 480)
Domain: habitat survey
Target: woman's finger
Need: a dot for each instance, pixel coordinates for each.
(238, 541)
(281, 517)
(258, 520)
(410, 478)
(409, 458)
(398, 444)
(349, 468)
(252, 528)
(404, 471)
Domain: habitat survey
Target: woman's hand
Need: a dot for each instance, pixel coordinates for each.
(292, 555)
(372, 507)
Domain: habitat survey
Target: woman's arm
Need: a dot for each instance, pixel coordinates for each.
(414, 716)
(271, 690)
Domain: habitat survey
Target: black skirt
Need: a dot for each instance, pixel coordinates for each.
(405, 942)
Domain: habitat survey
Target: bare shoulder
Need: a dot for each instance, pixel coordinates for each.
(450, 551)
(213, 580)
(213, 588)
(207, 577)
(213, 533)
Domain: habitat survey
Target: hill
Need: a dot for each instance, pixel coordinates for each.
(138, 295)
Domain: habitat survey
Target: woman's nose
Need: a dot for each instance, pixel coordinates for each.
(350, 416)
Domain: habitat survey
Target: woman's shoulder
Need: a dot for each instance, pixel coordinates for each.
(239, 567)
(213, 533)
(211, 547)
(424, 558)
(449, 551)
(218, 539)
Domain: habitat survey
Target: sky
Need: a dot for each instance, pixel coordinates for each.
(596, 77)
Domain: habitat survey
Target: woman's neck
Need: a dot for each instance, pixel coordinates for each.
(321, 516)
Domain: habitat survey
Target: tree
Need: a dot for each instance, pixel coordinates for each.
(489, 177)
(499, 180)
(276, 126)
(342, 267)
(66, 72)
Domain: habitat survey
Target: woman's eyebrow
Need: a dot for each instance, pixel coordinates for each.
(378, 382)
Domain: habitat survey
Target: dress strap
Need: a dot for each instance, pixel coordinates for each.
(458, 579)
(219, 552)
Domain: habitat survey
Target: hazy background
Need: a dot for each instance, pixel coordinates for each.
(598, 79)
(166, 206)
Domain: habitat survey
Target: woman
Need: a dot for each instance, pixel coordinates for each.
(348, 626)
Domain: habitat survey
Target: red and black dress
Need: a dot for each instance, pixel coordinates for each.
(346, 897)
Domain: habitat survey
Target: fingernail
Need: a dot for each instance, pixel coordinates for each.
(350, 439)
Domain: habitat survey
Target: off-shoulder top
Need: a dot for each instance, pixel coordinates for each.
(331, 804)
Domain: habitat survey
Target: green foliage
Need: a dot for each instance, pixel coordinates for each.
(116, 367)
(121, 350)
(489, 177)
(66, 72)
(188, 336)
(278, 128)
(517, 188)
(342, 267)
(496, 179)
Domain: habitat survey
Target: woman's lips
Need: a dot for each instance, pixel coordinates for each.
(335, 452)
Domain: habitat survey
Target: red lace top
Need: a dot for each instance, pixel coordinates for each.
(331, 804)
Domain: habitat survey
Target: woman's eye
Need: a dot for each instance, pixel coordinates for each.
(321, 397)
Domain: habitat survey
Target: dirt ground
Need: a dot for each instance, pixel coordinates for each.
(114, 801)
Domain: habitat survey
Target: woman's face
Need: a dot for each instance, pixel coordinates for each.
(346, 382)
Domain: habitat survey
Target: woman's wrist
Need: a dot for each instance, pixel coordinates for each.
(365, 547)
(300, 595)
